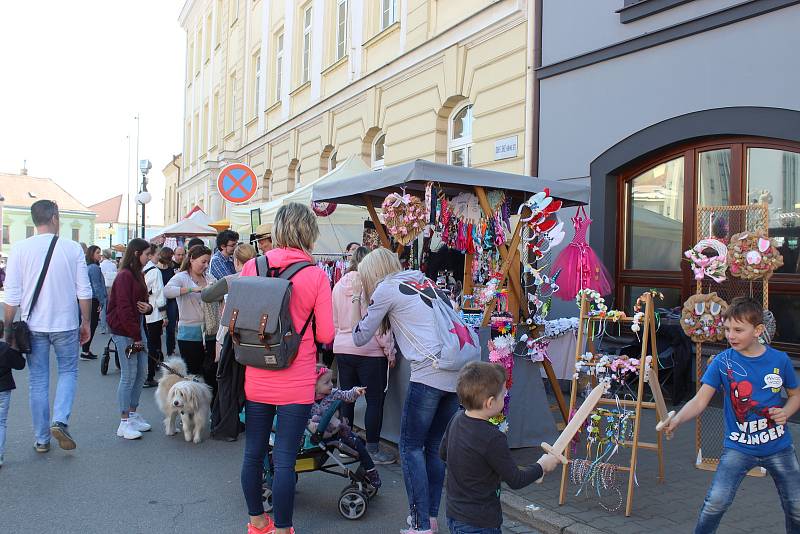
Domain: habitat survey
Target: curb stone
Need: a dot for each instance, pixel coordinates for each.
(541, 518)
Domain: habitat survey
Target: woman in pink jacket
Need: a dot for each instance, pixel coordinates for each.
(361, 366)
(289, 393)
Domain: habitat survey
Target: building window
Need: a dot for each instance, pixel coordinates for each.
(190, 62)
(341, 29)
(278, 66)
(233, 11)
(230, 103)
(204, 134)
(29, 231)
(196, 137)
(306, 66)
(76, 234)
(257, 82)
(6, 235)
(207, 50)
(332, 162)
(388, 13)
(215, 120)
(377, 152)
(219, 22)
(198, 51)
(659, 220)
(460, 137)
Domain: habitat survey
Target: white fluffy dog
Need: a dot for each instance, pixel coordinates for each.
(188, 397)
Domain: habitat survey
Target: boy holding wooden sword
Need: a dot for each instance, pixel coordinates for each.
(477, 454)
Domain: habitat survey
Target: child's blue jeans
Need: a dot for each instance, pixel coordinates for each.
(5, 403)
(457, 527)
(782, 466)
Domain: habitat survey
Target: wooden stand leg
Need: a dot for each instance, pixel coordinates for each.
(551, 376)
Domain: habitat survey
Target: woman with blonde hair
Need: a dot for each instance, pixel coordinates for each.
(287, 393)
(400, 300)
(361, 366)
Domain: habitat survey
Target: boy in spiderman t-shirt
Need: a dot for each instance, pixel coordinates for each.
(750, 376)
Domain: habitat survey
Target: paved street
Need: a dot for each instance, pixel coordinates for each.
(155, 484)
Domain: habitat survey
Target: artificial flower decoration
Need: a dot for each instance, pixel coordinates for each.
(597, 304)
(323, 209)
(701, 317)
(753, 255)
(404, 215)
(712, 266)
(501, 352)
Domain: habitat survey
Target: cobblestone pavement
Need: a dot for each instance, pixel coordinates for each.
(156, 484)
(667, 507)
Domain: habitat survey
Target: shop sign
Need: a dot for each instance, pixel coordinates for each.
(505, 148)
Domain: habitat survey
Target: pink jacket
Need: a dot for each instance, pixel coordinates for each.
(379, 346)
(311, 290)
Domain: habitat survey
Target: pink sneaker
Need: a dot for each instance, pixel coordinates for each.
(415, 531)
(268, 529)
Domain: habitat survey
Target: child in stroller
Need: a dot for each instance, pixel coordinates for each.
(338, 429)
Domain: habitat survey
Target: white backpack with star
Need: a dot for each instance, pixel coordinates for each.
(459, 342)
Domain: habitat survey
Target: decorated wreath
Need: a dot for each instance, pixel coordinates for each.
(712, 266)
(323, 209)
(701, 317)
(405, 216)
(753, 255)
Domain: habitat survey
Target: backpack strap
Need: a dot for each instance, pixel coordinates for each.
(287, 274)
(148, 269)
(262, 266)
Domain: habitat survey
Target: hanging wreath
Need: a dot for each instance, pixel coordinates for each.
(712, 266)
(404, 216)
(753, 255)
(323, 209)
(701, 317)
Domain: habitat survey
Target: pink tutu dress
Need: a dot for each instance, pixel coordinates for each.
(579, 266)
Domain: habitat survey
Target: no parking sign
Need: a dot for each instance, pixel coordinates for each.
(237, 183)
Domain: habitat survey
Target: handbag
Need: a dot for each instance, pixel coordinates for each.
(210, 318)
(19, 329)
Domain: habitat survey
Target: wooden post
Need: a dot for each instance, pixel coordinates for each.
(377, 222)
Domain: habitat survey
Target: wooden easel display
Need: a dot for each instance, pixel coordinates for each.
(647, 372)
(741, 218)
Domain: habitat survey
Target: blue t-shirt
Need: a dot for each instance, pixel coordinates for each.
(750, 387)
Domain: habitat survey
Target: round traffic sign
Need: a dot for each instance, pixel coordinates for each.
(237, 183)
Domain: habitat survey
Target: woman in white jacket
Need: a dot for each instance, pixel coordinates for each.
(155, 321)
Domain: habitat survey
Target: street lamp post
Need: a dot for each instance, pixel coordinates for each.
(110, 230)
(144, 197)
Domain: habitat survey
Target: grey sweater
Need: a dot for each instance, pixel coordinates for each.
(413, 326)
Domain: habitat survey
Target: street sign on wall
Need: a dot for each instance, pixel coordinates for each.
(505, 148)
(237, 183)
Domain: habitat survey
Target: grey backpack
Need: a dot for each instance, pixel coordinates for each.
(258, 319)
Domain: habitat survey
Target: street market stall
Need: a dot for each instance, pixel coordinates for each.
(471, 211)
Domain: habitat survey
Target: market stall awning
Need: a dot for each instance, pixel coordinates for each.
(193, 226)
(415, 174)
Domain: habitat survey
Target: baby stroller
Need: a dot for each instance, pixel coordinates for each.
(318, 455)
(105, 359)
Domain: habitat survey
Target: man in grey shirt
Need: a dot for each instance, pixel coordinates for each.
(53, 322)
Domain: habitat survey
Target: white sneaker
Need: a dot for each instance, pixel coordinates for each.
(127, 431)
(137, 422)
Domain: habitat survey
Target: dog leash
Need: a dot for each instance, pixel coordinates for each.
(167, 367)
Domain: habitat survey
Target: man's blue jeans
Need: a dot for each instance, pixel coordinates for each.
(782, 466)
(290, 424)
(457, 527)
(66, 348)
(426, 413)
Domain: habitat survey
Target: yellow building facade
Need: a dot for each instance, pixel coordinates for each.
(172, 177)
(289, 87)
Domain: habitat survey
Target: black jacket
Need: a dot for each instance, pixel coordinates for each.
(9, 359)
(228, 403)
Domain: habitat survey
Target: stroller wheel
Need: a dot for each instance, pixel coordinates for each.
(352, 504)
(116, 359)
(104, 363)
(266, 496)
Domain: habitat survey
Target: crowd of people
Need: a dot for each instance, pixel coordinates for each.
(60, 294)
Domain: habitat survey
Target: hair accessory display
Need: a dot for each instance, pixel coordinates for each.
(712, 266)
(753, 255)
(404, 215)
(597, 304)
(701, 317)
(543, 230)
(501, 351)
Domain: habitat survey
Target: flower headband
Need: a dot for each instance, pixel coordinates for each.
(321, 371)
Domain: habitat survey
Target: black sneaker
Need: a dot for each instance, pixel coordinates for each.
(150, 383)
(42, 447)
(60, 432)
(88, 356)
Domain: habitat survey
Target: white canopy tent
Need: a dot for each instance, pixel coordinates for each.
(344, 225)
(196, 225)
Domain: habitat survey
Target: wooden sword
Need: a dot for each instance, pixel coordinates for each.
(661, 407)
(574, 425)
